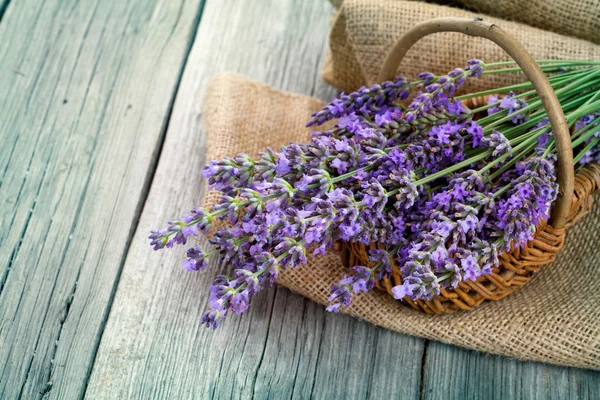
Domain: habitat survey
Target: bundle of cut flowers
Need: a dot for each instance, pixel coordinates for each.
(444, 192)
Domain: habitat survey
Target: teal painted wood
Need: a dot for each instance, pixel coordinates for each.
(3, 7)
(86, 90)
(285, 346)
(454, 373)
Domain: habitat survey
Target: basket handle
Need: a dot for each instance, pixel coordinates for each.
(480, 28)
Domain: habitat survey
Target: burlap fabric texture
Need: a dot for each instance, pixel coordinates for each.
(554, 318)
(363, 31)
(578, 18)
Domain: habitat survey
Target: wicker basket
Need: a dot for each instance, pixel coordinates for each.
(574, 201)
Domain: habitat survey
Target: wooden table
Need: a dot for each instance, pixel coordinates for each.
(102, 139)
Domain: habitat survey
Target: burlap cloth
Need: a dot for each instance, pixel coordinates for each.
(555, 318)
(363, 31)
(579, 18)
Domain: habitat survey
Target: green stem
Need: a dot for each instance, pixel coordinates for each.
(580, 112)
(545, 68)
(531, 140)
(587, 148)
(585, 129)
(566, 62)
(511, 162)
(583, 138)
(554, 81)
(574, 85)
(451, 169)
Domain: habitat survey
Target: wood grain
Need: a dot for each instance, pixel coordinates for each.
(285, 346)
(454, 373)
(3, 6)
(87, 87)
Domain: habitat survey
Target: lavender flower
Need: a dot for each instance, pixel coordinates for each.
(197, 259)
(527, 203)
(404, 178)
(158, 239)
(342, 293)
(511, 103)
(475, 68)
(475, 131)
(544, 139)
(497, 142)
(374, 195)
(384, 260)
(227, 175)
(366, 98)
(437, 90)
(189, 225)
(234, 294)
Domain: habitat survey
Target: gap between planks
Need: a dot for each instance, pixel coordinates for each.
(58, 274)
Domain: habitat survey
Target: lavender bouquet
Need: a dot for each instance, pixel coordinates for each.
(443, 192)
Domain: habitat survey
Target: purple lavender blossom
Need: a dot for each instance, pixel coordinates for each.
(384, 259)
(544, 139)
(527, 202)
(470, 267)
(492, 99)
(197, 259)
(368, 98)
(158, 239)
(227, 175)
(374, 195)
(476, 133)
(475, 68)
(199, 220)
(497, 142)
(363, 181)
(212, 319)
(511, 103)
(427, 77)
(342, 293)
(410, 287)
(586, 120)
(235, 294)
(443, 146)
(437, 90)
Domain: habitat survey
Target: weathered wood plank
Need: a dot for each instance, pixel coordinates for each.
(285, 346)
(87, 87)
(455, 373)
(3, 7)
(354, 360)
